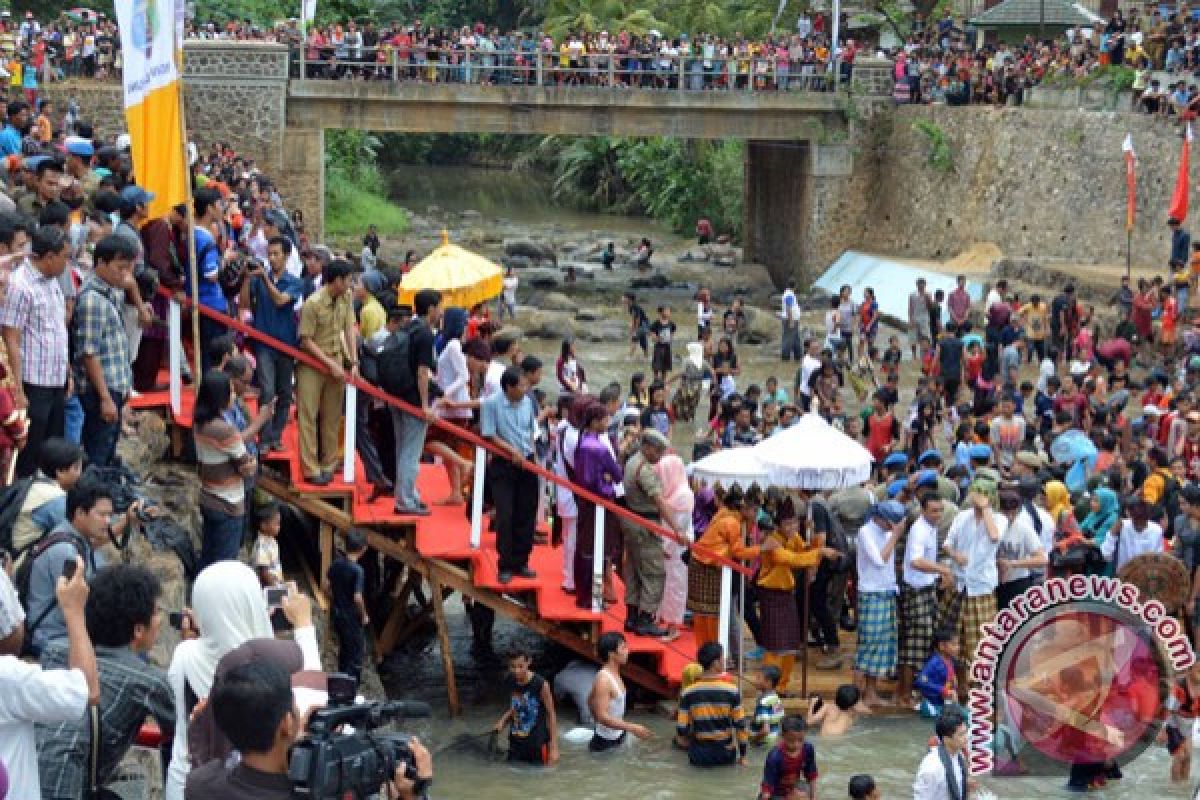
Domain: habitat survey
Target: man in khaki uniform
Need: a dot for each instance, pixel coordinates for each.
(326, 333)
(645, 571)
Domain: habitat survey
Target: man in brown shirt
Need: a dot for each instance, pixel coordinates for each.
(326, 333)
(645, 571)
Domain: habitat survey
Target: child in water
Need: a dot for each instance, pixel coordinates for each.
(938, 681)
(768, 711)
(862, 787)
(790, 772)
(530, 719)
(838, 719)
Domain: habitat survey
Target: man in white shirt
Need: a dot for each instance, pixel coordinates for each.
(1034, 515)
(972, 543)
(875, 656)
(505, 354)
(1020, 551)
(1136, 536)
(918, 593)
(790, 316)
(943, 772)
(808, 367)
(30, 695)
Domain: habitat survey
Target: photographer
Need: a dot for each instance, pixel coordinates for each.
(253, 705)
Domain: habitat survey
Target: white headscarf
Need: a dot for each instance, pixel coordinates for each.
(229, 609)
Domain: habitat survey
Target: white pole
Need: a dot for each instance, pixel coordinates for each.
(726, 608)
(175, 356)
(477, 498)
(351, 426)
(741, 621)
(834, 53)
(598, 562)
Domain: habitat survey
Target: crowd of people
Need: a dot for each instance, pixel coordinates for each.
(941, 61)
(1042, 437)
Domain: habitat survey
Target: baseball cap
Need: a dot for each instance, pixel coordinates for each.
(136, 194)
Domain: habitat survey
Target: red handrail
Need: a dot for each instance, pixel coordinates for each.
(462, 433)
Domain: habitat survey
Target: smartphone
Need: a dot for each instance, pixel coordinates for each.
(175, 620)
(69, 568)
(817, 702)
(274, 596)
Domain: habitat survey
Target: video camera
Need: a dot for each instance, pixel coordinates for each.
(328, 764)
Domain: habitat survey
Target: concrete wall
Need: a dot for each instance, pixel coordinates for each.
(1038, 183)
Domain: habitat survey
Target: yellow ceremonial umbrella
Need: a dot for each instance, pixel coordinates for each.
(464, 278)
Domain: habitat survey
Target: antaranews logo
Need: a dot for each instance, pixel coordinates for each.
(1076, 671)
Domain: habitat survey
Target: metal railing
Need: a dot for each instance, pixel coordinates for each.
(653, 71)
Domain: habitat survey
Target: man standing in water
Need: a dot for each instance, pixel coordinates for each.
(943, 772)
(711, 723)
(607, 700)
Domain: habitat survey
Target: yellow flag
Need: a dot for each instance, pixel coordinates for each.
(152, 108)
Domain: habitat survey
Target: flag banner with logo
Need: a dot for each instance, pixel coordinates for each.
(152, 104)
(1130, 181)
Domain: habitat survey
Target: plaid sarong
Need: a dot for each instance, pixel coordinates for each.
(918, 615)
(876, 654)
(976, 612)
(949, 609)
(704, 588)
(780, 621)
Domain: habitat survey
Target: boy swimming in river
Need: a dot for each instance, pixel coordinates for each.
(837, 719)
(768, 711)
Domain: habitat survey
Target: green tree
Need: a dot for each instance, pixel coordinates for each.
(591, 16)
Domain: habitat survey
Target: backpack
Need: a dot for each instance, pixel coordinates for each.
(24, 572)
(12, 499)
(393, 362)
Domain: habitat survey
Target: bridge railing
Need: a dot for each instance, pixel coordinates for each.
(652, 71)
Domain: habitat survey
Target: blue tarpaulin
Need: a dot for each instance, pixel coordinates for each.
(893, 281)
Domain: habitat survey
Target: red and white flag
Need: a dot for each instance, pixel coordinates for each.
(1130, 181)
(1179, 200)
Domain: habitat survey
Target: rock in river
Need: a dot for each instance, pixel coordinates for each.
(534, 251)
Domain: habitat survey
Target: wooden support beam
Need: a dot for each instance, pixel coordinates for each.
(439, 616)
(326, 545)
(457, 578)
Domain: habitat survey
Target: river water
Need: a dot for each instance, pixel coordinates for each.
(889, 748)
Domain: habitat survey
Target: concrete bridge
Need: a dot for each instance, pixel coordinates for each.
(242, 92)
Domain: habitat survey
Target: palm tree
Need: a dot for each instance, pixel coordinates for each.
(591, 16)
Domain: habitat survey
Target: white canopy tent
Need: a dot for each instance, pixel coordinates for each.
(812, 454)
(737, 466)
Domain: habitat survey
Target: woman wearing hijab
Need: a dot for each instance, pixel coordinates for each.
(228, 609)
(596, 469)
(455, 405)
(876, 654)
(680, 501)
(725, 537)
(1105, 511)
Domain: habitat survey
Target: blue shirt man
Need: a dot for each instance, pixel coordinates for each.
(18, 120)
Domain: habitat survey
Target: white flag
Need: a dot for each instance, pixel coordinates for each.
(309, 9)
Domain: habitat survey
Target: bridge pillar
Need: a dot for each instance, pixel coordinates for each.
(301, 177)
(787, 186)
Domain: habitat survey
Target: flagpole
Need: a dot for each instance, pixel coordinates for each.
(197, 352)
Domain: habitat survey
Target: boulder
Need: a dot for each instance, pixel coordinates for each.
(541, 278)
(605, 330)
(540, 324)
(761, 327)
(553, 301)
(470, 215)
(534, 251)
(655, 281)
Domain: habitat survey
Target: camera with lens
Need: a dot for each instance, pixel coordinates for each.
(329, 763)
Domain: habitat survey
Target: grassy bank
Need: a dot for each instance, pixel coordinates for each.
(353, 201)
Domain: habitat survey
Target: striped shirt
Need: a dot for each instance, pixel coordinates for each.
(34, 306)
(221, 455)
(711, 718)
(100, 332)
